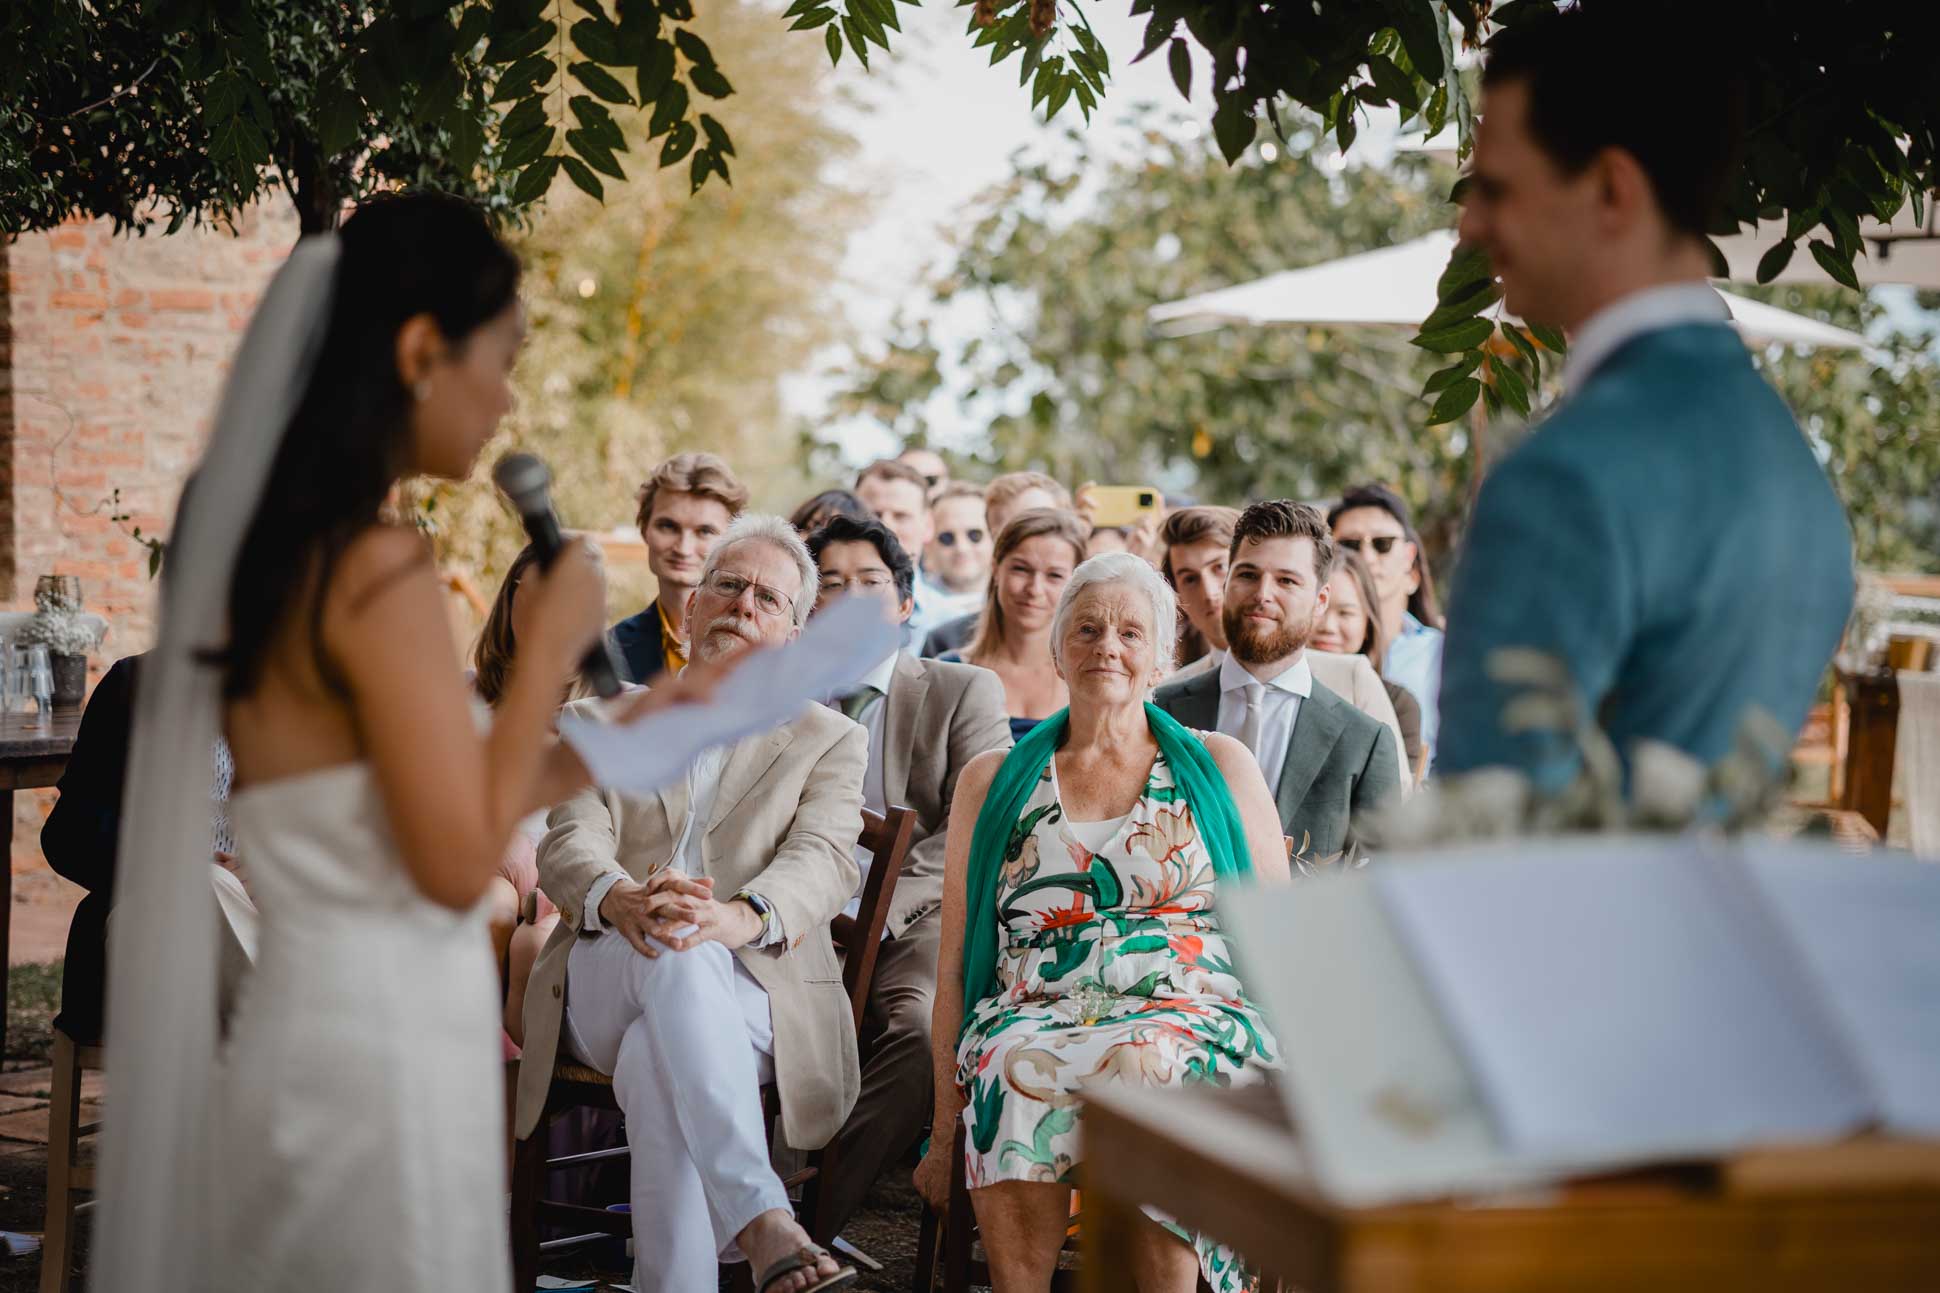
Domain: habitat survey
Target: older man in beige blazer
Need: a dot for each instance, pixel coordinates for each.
(692, 961)
(926, 719)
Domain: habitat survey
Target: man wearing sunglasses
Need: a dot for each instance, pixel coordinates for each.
(958, 557)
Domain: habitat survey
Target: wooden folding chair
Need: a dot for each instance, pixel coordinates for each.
(67, 1180)
(575, 1086)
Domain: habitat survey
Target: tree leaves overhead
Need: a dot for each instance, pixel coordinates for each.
(190, 111)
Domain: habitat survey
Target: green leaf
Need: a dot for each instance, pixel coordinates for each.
(527, 147)
(511, 46)
(340, 119)
(534, 180)
(799, 8)
(1442, 377)
(709, 81)
(472, 27)
(528, 74)
(1345, 128)
(1524, 346)
(1551, 339)
(671, 107)
(600, 82)
(1393, 82)
(1479, 297)
(1720, 267)
(1059, 97)
(1436, 113)
(1510, 386)
(596, 153)
(1774, 261)
(1233, 126)
(812, 19)
(1457, 336)
(857, 41)
(1839, 267)
(717, 136)
(598, 41)
(1180, 59)
(678, 144)
(834, 42)
(656, 71)
(1456, 399)
(1423, 29)
(582, 175)
(529, 115)
(1522, 11)
(467, 142)
(694, 48)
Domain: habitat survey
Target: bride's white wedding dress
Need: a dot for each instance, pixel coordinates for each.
(360, 1129)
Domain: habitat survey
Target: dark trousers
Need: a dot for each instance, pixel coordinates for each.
(896, 1096)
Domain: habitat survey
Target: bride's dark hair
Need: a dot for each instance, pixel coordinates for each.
(348, 442)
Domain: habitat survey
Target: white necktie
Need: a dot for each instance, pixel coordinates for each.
(1249, 727)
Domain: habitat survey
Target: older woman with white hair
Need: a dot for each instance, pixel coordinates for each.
(1081, 931)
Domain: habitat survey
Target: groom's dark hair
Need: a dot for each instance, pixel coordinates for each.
(1580, 65)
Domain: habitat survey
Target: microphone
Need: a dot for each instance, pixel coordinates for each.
(527, 482)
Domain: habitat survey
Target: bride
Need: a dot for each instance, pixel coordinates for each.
(352, 1135)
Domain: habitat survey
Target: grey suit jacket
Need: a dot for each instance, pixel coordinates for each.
(1340, 763)
(784, 823)
(939, 717)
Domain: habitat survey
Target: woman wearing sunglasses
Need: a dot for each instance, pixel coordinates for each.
(1373, 521)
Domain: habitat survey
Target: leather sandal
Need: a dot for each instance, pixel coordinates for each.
(805, 1258)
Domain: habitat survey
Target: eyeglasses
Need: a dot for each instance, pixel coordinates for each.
(873, 582)
(948, 538)
(729, 587)
(1382, 543)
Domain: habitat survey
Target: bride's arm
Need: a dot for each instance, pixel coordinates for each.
(453, 799)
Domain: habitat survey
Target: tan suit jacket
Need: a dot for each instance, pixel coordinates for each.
(939, 717)
(784, 824)
(1351, 678)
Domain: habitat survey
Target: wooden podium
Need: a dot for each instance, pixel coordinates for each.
(1851, 1216)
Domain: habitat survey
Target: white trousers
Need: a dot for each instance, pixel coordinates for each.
(688, 1039)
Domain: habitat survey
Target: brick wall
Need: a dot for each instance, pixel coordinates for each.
(112, 352)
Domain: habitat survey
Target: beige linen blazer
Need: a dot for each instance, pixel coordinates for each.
(1351, 678)
(784, 824)
(939, 717)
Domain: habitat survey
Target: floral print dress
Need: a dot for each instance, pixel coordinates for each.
(1111, 968)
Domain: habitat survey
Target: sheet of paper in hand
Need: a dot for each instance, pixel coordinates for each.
(839, 646)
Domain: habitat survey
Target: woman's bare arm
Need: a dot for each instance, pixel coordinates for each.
(1259, 816)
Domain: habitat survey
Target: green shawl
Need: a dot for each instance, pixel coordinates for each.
(1193, 771)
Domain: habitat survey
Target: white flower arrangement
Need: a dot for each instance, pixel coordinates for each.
(1670, 792)
(61, 625)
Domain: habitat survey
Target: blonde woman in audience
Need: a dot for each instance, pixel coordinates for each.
(1011, 494)
(1035, 554)
(1352, 625)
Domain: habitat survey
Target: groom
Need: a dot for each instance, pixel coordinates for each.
(1666, 534)
(692, 961)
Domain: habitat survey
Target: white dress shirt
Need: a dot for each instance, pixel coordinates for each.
(1605, 332)
(1279, 708)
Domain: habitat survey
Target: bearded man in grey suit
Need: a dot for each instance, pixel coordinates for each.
(1327, 761)
(926, 719)
(692, 961)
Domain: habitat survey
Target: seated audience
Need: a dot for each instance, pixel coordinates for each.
(958, 558)
(686, 505)
(814, 513)
(1082, 942)
(1198, 545)
(1004, 498)
(1325, 759)
(929, 464)
(1373, 521)
(81, 841)
(1036, 553)
(926, 720)
(897, 493)
(1351, 625)
(693, 961)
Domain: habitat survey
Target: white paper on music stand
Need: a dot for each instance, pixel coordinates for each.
(837, 648)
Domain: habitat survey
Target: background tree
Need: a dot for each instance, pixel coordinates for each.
(662, 321)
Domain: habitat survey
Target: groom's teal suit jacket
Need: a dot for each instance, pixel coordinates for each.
(1669, 535)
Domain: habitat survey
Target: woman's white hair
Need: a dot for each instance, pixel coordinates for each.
(1121, 568)
(750, 526)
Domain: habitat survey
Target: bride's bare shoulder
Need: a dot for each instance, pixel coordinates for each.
(376, 560)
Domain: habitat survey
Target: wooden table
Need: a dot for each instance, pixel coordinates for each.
(33, 753)
(1226, 1163)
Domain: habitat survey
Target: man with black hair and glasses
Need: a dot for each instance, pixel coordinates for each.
(1667, 533)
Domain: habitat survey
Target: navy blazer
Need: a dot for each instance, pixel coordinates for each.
(1669, 536)
(639, 638)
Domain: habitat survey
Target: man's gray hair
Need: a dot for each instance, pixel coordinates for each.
(1122, 568)
(752, 526)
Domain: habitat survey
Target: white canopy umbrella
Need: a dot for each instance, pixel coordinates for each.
(1396, 286)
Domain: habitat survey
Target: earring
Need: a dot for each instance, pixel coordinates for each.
(422, 391)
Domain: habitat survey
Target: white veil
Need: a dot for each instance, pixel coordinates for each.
(156, 1179)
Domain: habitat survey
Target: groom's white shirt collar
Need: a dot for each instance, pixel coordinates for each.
(1630, 316)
